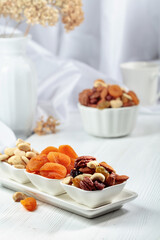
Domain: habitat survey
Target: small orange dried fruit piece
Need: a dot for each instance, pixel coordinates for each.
(49, 149)
(29, 203)
(60, 158)
(134, 97)
(115, 91)
(36, 163)
(53, 170)
(68, 150)
(76, 182)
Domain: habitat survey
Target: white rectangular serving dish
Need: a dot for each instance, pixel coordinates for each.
(65, 202)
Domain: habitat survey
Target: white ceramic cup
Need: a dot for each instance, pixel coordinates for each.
(142, 78)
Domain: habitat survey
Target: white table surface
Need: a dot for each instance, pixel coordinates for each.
(137, 156)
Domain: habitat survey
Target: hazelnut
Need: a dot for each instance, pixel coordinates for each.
(18, 196)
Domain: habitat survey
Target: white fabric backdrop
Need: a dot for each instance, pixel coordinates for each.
(113, 32)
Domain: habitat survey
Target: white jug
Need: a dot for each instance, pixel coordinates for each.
(18, 95)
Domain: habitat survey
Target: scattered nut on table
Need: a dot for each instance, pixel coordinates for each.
(18, 196)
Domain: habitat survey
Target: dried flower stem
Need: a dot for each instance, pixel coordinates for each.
(14, 29)
(27, 29)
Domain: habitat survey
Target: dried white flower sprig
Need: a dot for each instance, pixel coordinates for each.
(43, 12)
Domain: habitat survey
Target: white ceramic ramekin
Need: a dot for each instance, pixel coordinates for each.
(47, 185)
(93, 199)
(14, 173)
(110, 122)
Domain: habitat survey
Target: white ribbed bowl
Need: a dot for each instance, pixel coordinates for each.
(47, 185)
(110, 122)
(13, 173)
(93, 199)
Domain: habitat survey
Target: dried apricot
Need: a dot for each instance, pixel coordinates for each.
(134, 97)
(29, 203)
(115, 91)
(71, 166)
(68, 150)
(60, 158)
(36, 163)
(53, 170)
(49, 149)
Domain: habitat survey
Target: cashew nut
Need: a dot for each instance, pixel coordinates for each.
(116, 103)
(81, 176)
(98, 176)
(18, 196)
(127, 96)
(92, 164)
(100, 82)
(67, 180)
(3, 157)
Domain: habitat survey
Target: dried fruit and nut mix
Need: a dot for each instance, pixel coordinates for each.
(107, 96)
(20, 155)
(90, 175)
(52, 162)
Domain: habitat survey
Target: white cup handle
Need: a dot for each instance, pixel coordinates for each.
(154, 77)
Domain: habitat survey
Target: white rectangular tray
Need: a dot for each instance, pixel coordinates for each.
(65, 202)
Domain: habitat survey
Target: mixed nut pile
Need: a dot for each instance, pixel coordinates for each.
(103, 96)
(90, 175)
(20, 155)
